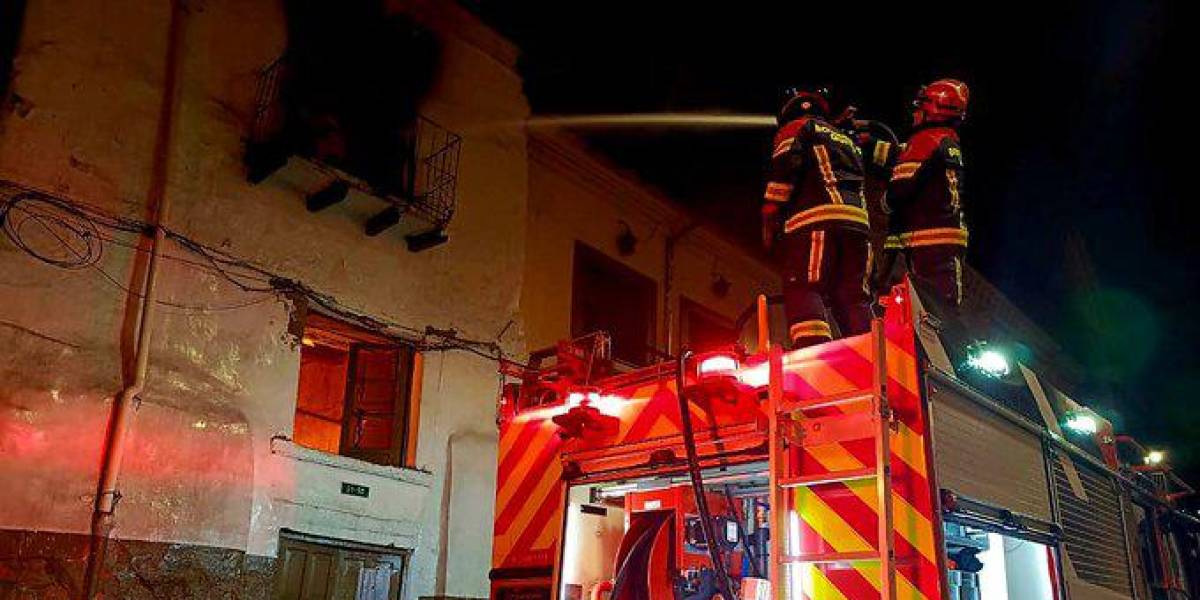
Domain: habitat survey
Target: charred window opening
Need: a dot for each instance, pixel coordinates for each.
(610, 297)
(354, 392)
(346, 97)
(354, 78)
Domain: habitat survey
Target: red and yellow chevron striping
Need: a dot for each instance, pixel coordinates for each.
(835, 517)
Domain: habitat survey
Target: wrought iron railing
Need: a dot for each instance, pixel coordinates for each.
(431, 192)
(437, 152)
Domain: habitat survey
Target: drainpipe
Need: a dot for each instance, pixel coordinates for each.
(669, 274)
(126, 401)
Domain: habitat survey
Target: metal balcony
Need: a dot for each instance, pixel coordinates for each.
(421, 207)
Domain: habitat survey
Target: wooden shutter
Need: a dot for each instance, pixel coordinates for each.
(377, 403)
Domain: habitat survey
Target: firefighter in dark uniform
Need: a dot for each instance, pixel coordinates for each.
(814, 204)
(925, 223)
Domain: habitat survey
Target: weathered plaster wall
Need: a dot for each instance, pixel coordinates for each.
(209, 466)
(204, 465)
(46, 566)
(575, 196)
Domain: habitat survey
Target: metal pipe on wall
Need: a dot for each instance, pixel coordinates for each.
(125, 405)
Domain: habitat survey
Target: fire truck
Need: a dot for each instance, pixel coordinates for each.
(910, 462)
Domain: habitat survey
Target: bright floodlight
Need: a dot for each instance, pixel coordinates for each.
(1155, 457)
(718, 364)
(988, 361)
(1082, 422)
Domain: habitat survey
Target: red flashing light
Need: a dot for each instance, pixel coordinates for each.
(592, 397)
(717, 365)
(586, 421)
(716, 377)
(579, 396)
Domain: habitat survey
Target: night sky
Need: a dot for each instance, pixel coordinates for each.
(1078, 130)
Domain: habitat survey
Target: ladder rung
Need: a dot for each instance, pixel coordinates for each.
(790, 405)
(835, 477)
(833, 557)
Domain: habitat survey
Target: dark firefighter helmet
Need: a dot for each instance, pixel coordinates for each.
(943, 101)
(799, 102)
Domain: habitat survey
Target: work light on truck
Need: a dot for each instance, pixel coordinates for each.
(987, 360)
(583, 417)
(1082, 422)
(713, 376)
(717, 364)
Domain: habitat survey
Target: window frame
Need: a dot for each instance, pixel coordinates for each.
(648, 285)
(401, 449)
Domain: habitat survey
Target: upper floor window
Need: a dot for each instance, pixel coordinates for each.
(355, 394)
(345, 96)
(611, 297)
(701, 328)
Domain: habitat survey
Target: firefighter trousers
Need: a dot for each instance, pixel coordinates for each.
(936, 268)
(826, 271)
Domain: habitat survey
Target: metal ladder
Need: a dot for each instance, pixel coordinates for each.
(790, 424)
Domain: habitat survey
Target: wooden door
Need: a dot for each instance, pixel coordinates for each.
(312, 571)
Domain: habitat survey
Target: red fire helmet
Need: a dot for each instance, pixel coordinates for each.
(799, 102)
(943, 100)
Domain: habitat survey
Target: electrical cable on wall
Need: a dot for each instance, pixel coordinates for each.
(71, 235)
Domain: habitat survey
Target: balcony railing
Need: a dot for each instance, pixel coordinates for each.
(427, 196)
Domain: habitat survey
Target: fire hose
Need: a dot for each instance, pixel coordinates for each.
(724, 583)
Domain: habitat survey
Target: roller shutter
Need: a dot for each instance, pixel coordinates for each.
(1093, 533)
(983, 456)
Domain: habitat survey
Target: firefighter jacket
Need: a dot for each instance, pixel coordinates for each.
(816, 176)
(923, 191)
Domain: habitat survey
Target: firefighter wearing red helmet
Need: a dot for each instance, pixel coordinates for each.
(814, 204)
(926, 224)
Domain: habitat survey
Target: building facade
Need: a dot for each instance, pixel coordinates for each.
(318, 410)
(684, 284)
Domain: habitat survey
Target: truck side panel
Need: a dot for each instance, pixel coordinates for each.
(840, 517)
